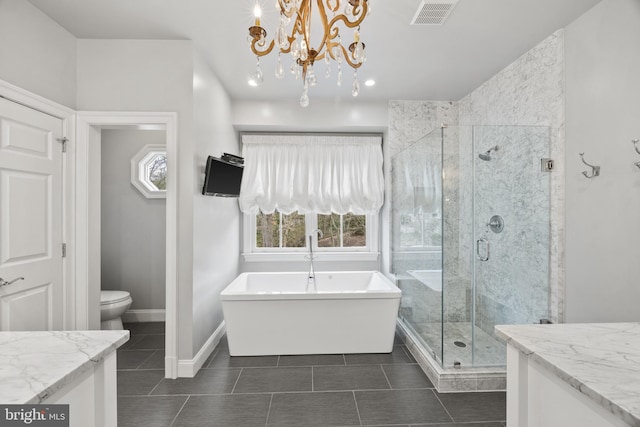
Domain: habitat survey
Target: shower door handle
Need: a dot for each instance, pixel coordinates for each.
(487, 246)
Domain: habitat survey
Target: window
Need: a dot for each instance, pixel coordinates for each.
(303, 175)
(149, 171)
(342, 231)
(269, 237)
(280, 231)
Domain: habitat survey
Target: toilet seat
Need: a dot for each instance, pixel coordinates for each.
(112, 297)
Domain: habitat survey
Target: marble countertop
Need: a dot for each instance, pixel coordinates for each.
(599, 360)
(34, 365)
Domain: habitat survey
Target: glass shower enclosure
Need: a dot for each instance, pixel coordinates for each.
(471, 238)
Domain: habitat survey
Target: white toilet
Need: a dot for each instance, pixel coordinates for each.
(113, 305)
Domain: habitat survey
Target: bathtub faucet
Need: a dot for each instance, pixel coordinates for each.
(311, 284)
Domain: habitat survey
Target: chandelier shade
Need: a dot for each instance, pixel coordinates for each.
(293, 36)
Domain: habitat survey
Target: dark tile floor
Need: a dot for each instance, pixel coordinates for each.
(297, 391)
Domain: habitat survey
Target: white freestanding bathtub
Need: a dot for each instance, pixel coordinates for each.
(273, 314)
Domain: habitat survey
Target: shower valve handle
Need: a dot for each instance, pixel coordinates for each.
(487, 246)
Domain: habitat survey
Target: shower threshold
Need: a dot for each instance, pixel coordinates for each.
(458, 376)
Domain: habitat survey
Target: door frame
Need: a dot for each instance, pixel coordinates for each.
(67, 116)
(87, 125)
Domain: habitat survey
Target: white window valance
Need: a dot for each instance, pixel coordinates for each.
(312, 173)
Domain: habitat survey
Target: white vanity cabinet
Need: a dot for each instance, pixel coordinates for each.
(573, 375)
(77, 368)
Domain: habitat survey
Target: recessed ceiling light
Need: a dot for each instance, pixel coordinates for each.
(370, 82)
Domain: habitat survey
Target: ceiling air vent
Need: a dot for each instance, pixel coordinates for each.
(433, 13)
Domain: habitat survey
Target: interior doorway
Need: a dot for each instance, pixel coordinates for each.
(88, 213)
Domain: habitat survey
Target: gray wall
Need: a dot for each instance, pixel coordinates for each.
(603, 116)
(36, 53)
(216, 220)
(152, 75)
(133, 226)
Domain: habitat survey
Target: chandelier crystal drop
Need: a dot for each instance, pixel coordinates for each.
(304, 99)
(258, 77)
(297, 39)
(355, 90)
(279, 68)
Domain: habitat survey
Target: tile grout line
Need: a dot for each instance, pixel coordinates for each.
(214, 355)
(279, 392)
(145, 360)
(353, 392)
(386, 377)
(237, 379)
(407, 353)
(312, 385)
(444, 407)
(156, 386)
(266, 422)
(180, 410)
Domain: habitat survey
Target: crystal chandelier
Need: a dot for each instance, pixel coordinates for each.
(297, 40)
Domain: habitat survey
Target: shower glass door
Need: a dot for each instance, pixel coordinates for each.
(471, 238)
(511, 229)
(417, 218)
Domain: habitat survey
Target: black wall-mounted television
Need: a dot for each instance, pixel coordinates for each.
(222, 178)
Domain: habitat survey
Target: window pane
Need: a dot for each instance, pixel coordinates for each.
(293, 231)
(157, 172)
(268, 230)
(355, 230)
(330, 226)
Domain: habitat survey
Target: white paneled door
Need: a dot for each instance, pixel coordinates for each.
(31, 288)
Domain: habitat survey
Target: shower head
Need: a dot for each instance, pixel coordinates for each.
(486, 156)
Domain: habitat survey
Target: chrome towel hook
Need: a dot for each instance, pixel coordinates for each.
(635, 144)
(595, 170)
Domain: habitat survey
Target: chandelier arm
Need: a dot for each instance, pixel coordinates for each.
(345, 20)
(329, 40)
(325, 26)
(329, 50)
(333, 8)
(365, 7)
(351, 24)
(305, 22)
(262, 52)
(288, 48)
(346, 55)
(283, 10)
(297, 26)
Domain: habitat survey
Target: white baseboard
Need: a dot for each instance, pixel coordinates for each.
(189, 368)
(144, 315)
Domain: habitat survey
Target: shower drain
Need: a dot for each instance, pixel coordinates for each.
(459, 344)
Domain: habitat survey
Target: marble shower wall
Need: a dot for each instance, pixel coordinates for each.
(512, 286)
(410, 121)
